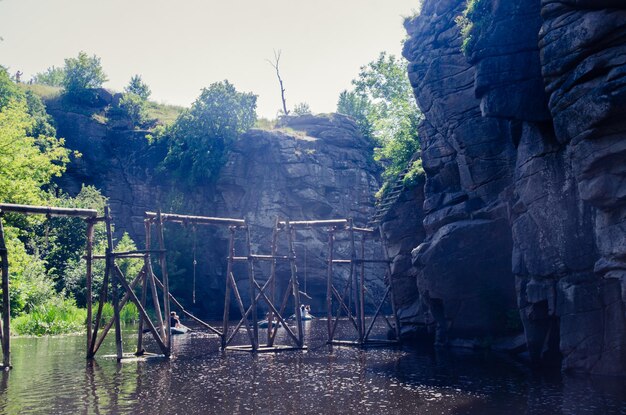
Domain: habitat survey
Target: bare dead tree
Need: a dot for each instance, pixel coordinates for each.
(280, 80)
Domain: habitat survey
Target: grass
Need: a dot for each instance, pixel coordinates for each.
(164, 113)
(128, 314)
(57, 316)
(46, 92)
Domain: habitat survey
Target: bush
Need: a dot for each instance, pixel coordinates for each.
(133, 107)
(82, 75)
(302, 109)
(137, 87)
(473, 22)
(52, 76)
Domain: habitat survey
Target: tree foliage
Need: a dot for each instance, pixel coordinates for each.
(383, 105)
(82, 75)
(52, 76)
(200, 138)
(473, 22)
(138, 87)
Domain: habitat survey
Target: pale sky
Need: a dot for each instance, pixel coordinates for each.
(179, 47)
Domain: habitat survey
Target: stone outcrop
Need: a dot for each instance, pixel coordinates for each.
(465, 263)
(310, 167)
(403, 230)
(539, 105)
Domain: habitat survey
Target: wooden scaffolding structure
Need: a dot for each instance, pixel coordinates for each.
(266, 294)
(89, 215)
(356, 284)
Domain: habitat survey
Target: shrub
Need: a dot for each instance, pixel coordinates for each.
(137, 87)
(82, 75)
(52, 76)
(473, 22)
(302, 109)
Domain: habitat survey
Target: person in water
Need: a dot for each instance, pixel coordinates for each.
(174, 319)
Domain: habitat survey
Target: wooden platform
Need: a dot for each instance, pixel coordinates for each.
(368, 343)
(131, 357)
(265, 349)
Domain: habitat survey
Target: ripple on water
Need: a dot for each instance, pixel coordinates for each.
(51, 376)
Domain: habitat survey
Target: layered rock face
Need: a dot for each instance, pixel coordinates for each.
(403, 230)
(550, 75)
(311, 168)
(465, 263)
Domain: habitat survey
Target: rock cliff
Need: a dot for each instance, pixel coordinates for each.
(310, 167)
(524, 147)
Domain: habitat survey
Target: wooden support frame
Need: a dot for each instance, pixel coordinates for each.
(150, 286)
(258, 294)
(90, 215)
(356, 281)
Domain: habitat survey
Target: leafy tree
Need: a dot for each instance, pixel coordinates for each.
(8, 89)
(385, 109)
(52, 76)
(358, 107)
(82, 75)
(26, 163)
(302, 109)
(138, 87)
(200, 138)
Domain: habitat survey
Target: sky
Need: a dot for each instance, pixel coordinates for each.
(179, 47)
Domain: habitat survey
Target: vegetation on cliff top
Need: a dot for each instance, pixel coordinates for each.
(473, 22)
(384, 107)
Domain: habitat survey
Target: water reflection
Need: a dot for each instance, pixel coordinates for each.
(52, 376)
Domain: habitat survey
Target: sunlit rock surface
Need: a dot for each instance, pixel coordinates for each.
(549, 76)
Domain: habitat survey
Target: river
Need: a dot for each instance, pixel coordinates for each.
(51, 376)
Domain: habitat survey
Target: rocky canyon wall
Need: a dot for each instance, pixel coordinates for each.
(308, 168)
(524, 147)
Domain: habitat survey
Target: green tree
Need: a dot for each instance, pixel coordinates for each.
(8, 89)
(82, 75)
(385, 109)
(358, 107)
(200, 138)
(26, 163)
(52, 76)
(138, 87)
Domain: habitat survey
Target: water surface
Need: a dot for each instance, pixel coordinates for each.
(51, 376)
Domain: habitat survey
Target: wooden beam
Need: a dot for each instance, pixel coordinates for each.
(198, 220)
(313, 223)
(48, 210)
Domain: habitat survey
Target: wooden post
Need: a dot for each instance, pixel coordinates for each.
(229, 269)
(329, 284)
(6, 302)
(253, 301)
(166, 284)
(270, 314)
(295, 285)
(144, 297)
(114, 286)
(383, 241)
(151, 281)
(89, 277)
